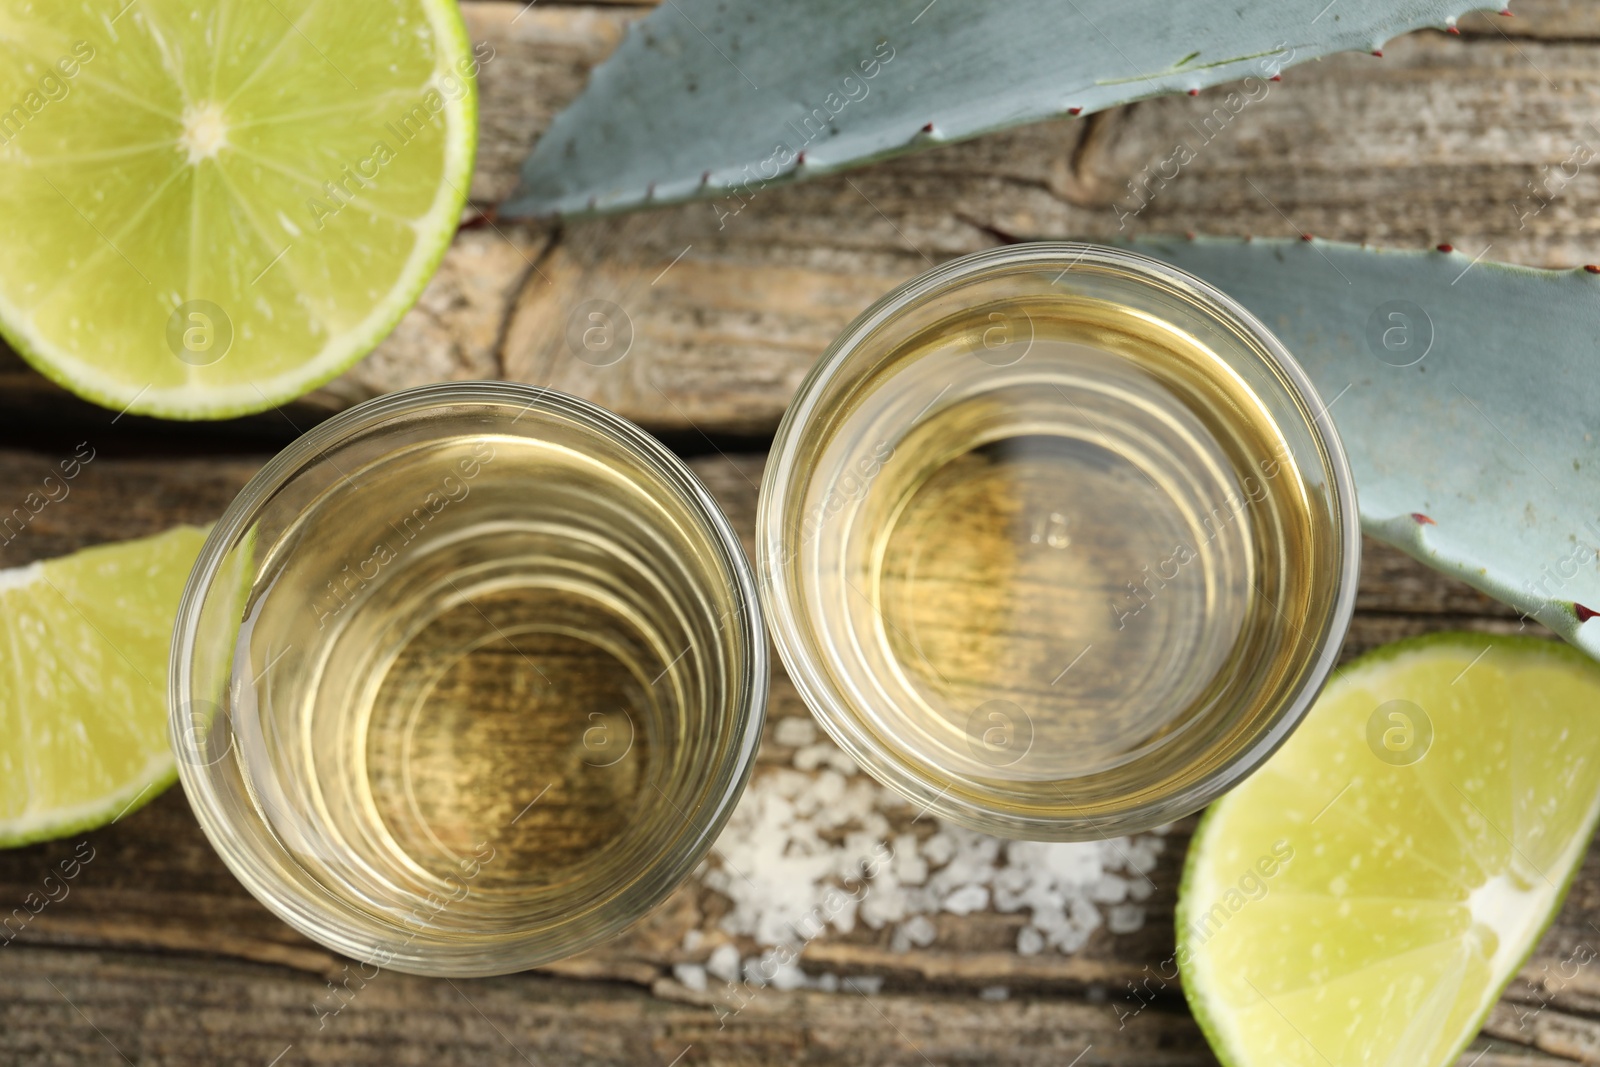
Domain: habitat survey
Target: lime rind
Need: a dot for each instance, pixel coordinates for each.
(86, 639)
(91, 372)
(155, 779)
(1212, 1013)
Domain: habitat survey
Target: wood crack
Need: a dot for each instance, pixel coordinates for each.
(513, 300)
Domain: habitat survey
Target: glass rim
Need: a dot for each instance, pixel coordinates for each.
(340, 927)
(785, 609)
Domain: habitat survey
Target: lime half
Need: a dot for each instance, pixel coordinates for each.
(1366, 895)
(209, 209)
(83, 672)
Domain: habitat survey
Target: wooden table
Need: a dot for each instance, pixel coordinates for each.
(157, 956)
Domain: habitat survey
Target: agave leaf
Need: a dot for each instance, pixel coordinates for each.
(709, 98)
(1466, 394)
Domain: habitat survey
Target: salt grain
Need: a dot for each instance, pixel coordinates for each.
(1125, 918)
(788, 976)
(1109, 889)
(797, 731)
(917, 931)
(692, 975)
(811, 849)
(822, 754)
(752, 972)
(966, 900)
(909, 868)
(724, 963)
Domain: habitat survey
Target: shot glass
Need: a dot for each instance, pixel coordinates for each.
(467, 679)
(1058, 542)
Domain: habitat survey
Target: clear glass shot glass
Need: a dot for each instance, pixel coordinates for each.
(467, 679)
(1058, 542)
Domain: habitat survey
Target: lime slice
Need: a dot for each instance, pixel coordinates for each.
(83, 671)
(209, 209)
(1366, 895)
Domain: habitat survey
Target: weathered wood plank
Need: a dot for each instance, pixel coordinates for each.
(728, 304)
(1435, 142)
(1547, 19)
(155, 1010)
(152, 885)
(163, 951)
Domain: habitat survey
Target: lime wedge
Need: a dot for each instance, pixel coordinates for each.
(209, 209)
(83, 671)
(1366, 895)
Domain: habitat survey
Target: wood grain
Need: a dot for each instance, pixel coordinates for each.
(729, 304)
(165, 952)
(158, 956)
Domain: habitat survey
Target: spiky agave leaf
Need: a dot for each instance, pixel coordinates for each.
(710, 97)
(1466, 394)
